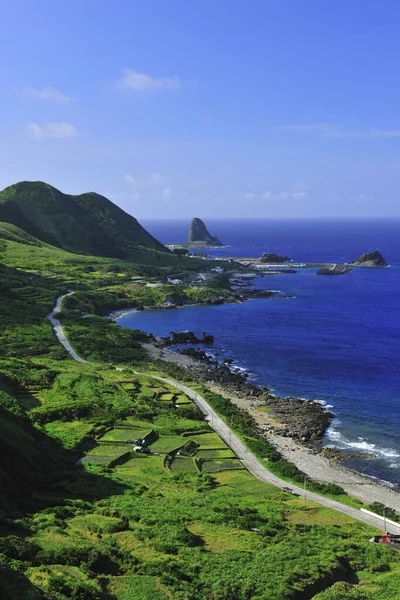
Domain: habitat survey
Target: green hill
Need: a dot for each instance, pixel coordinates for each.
(11, 232)
(84, 224)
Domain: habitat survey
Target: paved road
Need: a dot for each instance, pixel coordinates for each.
(58, 330)
(252, 464)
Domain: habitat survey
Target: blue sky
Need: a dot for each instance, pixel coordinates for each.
(171, 108)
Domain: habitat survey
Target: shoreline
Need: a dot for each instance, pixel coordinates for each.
(309, 459)
(236, 298)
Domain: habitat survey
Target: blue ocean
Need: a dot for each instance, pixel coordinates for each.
(337, 340)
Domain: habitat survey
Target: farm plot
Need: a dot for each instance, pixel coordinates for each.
(166, 397)
(111, 450)
(95, 460)
(209, 440)
(105, 453)
(130, 386)
(142, 468)
(182, 399)
(168, 443)
(213, 466)
(124, 435)
(183, 465)
(215, 453)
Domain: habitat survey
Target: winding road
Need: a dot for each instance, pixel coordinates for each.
(59, 332)
(251, 463)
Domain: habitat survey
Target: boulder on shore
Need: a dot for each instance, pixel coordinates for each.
(273, 258)
(334, 270)
(200, 236)
(370, 259)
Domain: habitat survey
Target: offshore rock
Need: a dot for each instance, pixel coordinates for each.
(370, 259)
(187, 337)
(199, 234)
(273, 258)
(334, 270)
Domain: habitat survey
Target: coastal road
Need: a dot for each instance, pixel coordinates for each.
(59, 332)
(256, 468)
(250, 462)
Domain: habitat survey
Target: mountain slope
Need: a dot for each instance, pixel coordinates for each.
(84, 224)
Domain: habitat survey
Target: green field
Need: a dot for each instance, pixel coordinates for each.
(168, 443)
(143, 587)
(211, 466)
(183, 465)
(155, 527)
(215, 453)
(209, 440)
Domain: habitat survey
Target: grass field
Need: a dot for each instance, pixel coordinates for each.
(69, 433)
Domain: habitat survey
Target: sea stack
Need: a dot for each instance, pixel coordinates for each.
(199, 235)
(370, 259)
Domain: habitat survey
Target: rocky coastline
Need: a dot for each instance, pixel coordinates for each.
(269, 413)
(295, 418)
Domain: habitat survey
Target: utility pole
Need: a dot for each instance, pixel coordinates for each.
(384, 518)
(305, 487)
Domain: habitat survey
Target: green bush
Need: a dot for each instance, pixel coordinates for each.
(63, 586)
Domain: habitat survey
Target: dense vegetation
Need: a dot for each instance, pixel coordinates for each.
(85, 517)
(85, 224)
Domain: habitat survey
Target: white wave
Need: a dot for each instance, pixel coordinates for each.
(363, 446)
(238, 368)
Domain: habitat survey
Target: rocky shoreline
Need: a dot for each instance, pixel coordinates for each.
(270, 412)
(304, 420)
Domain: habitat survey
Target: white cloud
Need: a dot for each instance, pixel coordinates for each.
(130, 180)
(154, 179)
(47, 94)
(270, 196)
(330, 130)
(55, 131)
(250, 196)
(166, 194)
(143, 82)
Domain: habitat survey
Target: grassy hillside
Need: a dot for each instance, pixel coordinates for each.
(85, 224)
(84, 517)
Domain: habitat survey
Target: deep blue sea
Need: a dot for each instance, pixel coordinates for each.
(337, 340)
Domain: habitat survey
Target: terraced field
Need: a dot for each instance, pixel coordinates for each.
(124, 435)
